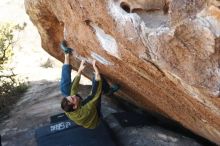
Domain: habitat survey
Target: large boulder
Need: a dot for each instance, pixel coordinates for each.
(165, 54)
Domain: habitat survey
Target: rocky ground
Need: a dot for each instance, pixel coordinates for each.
(42, 99)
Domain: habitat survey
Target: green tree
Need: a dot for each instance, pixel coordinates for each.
(9, 83)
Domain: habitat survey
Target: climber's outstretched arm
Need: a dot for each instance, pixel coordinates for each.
(75, 84)
(97, 75)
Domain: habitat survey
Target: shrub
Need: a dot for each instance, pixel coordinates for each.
(10, 86)
(47, 64)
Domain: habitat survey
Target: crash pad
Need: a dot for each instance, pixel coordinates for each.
(67, 133)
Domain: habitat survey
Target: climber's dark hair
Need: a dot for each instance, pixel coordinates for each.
(66, 105)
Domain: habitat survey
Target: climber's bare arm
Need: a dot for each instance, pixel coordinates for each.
(97, 75)
(81, 68)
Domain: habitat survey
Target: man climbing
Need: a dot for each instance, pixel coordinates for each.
(87, 112)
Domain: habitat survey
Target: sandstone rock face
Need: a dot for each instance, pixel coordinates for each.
(164, 53)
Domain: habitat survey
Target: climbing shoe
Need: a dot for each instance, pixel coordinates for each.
(114, 88)
(64, 47)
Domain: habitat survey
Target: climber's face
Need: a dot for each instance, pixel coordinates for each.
(74, 101)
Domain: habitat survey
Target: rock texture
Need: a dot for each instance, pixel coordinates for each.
(164, 53)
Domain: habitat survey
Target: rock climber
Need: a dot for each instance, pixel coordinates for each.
(87, 112)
